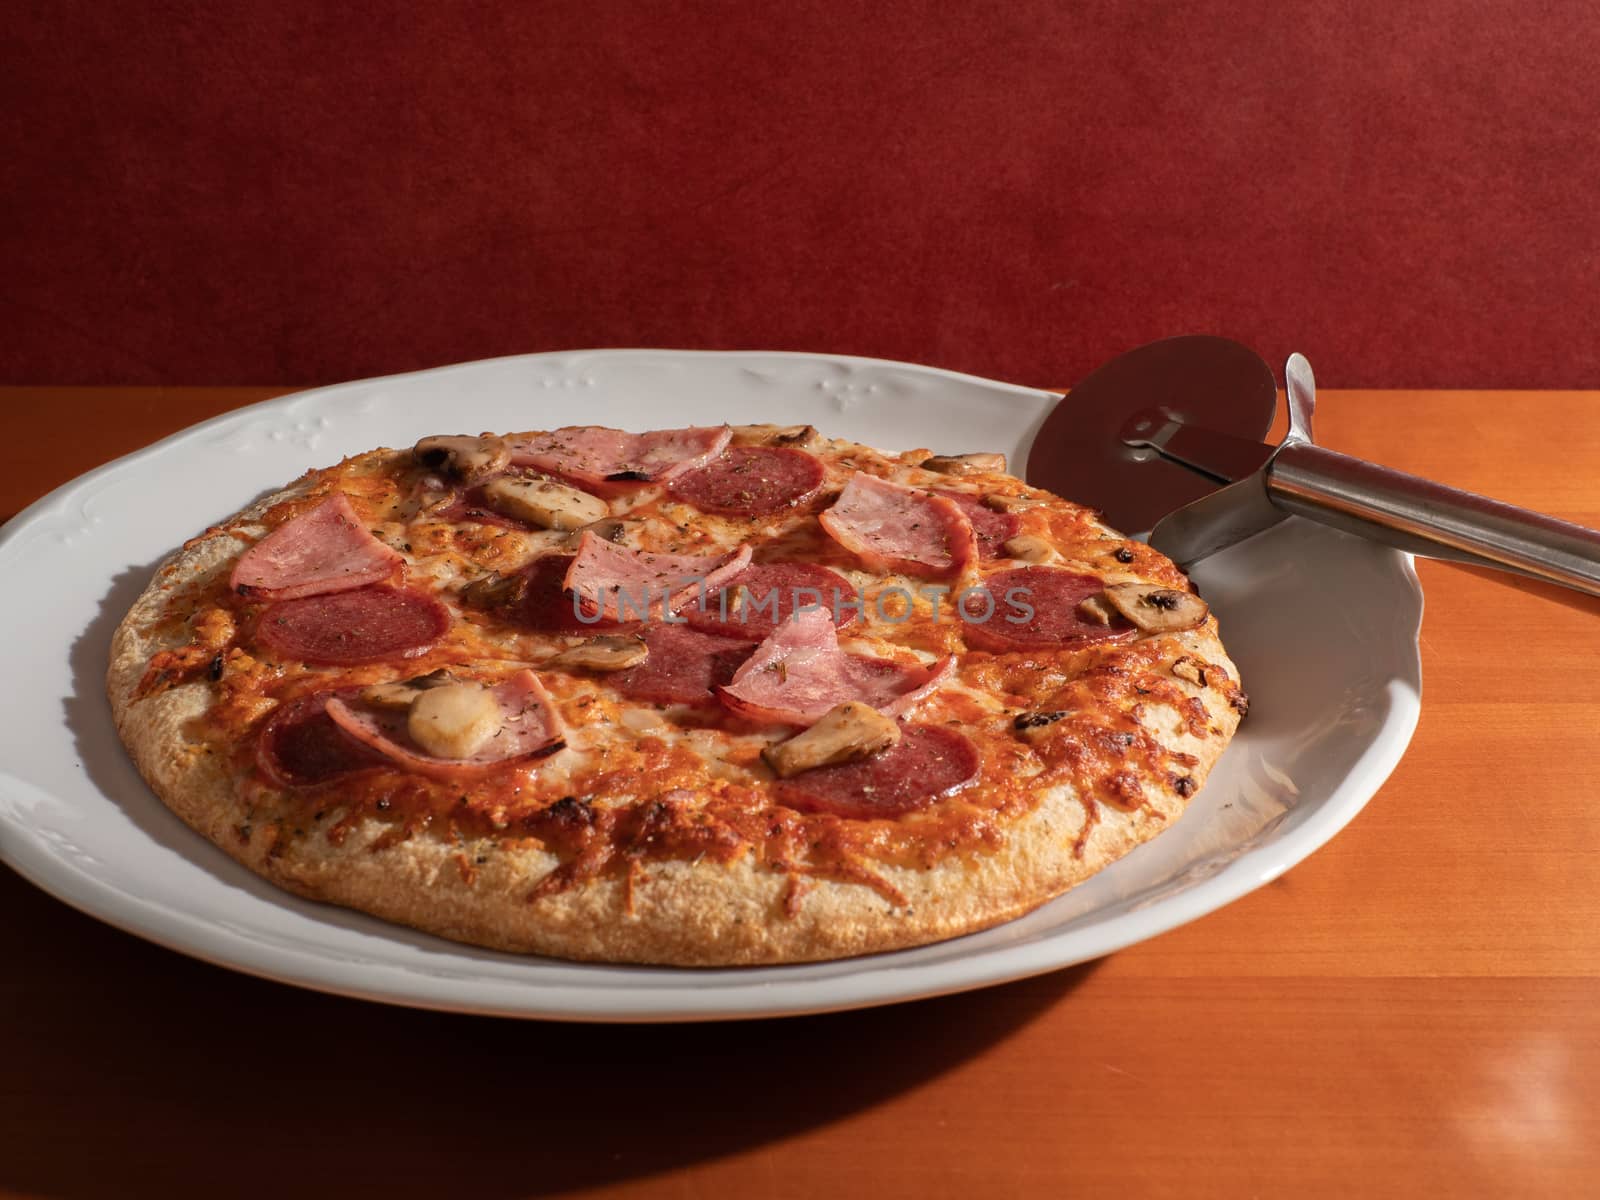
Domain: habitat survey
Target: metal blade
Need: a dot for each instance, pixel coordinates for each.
(1223, 457)
(1217, 521)
(1202, 382)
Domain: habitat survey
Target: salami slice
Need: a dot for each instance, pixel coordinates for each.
(891, 527)
(799, 673)
(929, 761)
(529, 727)
(684, 666)
(992, 529)
(1034, 608)
(322, 551)
(546, 605)
(300, 746)
(751, 481)
(347, 628)
(773, 592)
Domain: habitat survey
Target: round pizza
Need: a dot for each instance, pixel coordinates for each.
(701, 696)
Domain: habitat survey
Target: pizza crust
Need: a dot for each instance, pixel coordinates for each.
(704, 913)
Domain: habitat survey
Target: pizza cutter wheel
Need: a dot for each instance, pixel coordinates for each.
(1167, 438)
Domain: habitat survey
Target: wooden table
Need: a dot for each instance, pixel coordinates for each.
(1413, 1011)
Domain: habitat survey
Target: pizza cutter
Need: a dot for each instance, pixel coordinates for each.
(1168, 438)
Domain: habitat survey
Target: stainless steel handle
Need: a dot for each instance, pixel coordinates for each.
(1431, 519)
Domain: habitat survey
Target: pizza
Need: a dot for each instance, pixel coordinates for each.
(703, 696)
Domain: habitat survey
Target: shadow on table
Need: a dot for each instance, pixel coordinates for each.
(1580, 601)
(130, 1070)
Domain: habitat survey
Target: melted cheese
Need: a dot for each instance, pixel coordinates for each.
(621, 752)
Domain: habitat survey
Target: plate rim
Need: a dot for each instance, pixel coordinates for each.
(13, 527)
(880, 981)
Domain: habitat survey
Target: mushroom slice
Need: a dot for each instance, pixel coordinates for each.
(1190, 669)
(1156, 609)
(802, 437)
(401, 694)
(1096, 610)
(1030, 548)
(454, 721)
(463, 457)
(963, 464)
(619, 531)
(495, 591)
(607, 653)
(545, 503)
(1011, 504)
(845, 733)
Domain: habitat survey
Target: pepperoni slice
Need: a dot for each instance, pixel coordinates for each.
(546, 606)
(929, 761)
(346, 628)
(796, 584)
(992, 528)
(751, 481)
(1034, 608)
(300, 746)
(684, 666)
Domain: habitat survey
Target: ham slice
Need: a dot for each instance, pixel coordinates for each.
(799, 673)
(325, 550)
(529, 727)
(619, 584)
(891, 527)
(600, 459)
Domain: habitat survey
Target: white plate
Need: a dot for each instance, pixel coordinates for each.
(1324, 628)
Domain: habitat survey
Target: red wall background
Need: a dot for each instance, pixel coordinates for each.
(271, 192)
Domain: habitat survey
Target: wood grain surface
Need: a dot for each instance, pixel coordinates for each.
(1414, 1010)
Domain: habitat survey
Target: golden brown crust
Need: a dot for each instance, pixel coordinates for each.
(474, 885)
